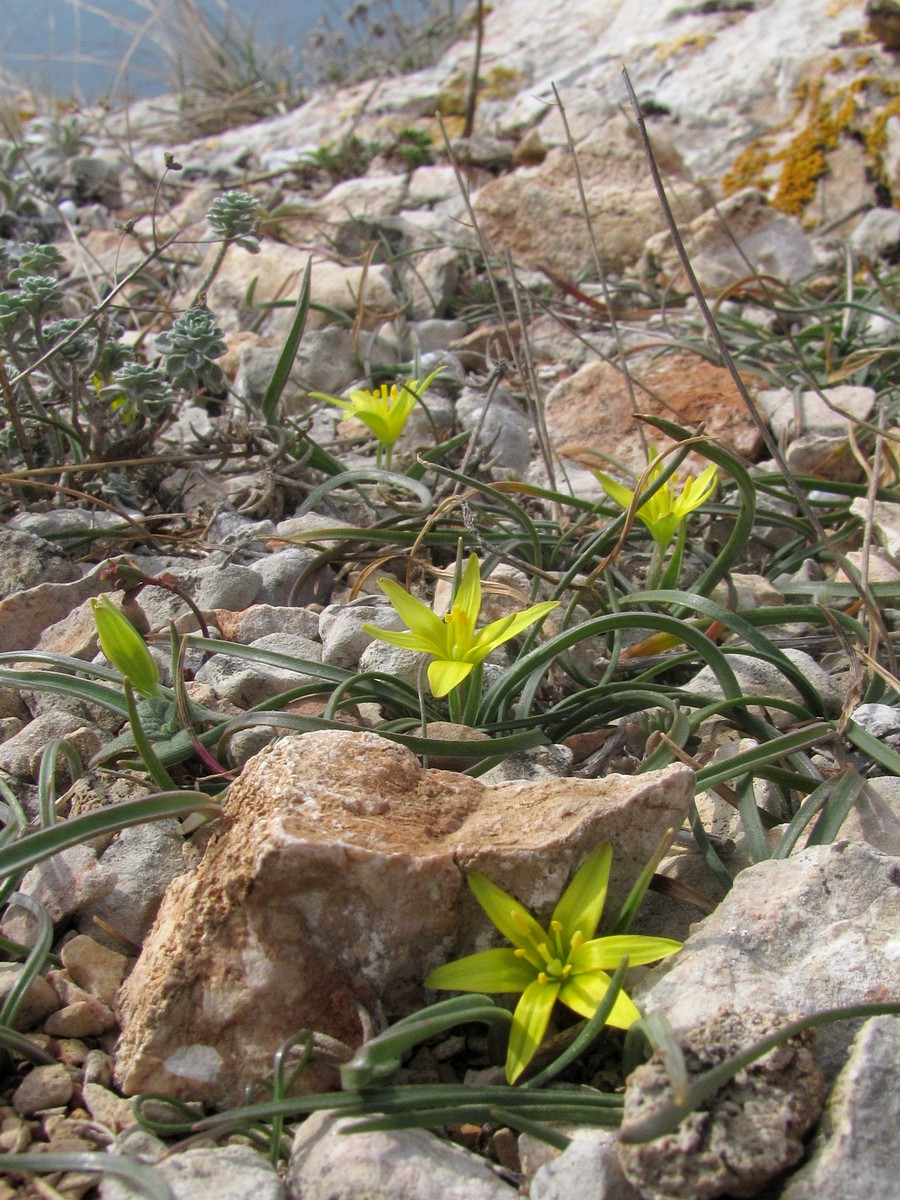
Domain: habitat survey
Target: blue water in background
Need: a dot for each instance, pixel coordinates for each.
(67, 48)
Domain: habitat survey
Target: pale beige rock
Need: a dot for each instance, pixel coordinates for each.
(39, 1000)
(745, 593)
(63, 884)
(25, 615)
(93, 967)
(338, 879)
(21, 754)
(817, 930)
(364, 198)
(43, 1087)
(767, 242)
(745, 1133)
(278, 271)
(885, 521)
(82, 1019)
(829, 412)
(401, 1164)
(536, 213)
(106, 1107)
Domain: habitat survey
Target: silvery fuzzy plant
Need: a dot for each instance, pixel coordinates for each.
(71, 388)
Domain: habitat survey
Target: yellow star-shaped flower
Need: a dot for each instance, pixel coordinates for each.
(452, 641)
(564, 962)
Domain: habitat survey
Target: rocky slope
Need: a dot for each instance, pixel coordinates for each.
(324, 895)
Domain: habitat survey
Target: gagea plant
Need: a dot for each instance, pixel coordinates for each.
(455, 646)
(384, 410)
(564, 962)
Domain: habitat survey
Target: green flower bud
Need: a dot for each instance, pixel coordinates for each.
(125, 648)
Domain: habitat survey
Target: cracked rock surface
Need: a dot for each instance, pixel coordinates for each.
(248, 949)
(746, 1133)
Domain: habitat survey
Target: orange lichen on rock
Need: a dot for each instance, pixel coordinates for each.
(860, 108)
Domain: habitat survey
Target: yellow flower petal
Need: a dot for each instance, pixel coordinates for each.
(607, 952)
(583, 993)
(468, 597)
(416, 616)
(618, 492)
(502, 630)
(400, 637)
(581, 904)
(513, 920)
(529, 1026)
(498, 970)
(445, 674)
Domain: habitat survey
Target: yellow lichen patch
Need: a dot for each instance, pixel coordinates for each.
(836, 7)
(690, 41)
(860, 108)
(453, 126)
(500, 83)
(451, 101)
(747, 169)
(876, 137)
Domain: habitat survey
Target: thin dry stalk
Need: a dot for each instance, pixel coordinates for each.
(771, 445)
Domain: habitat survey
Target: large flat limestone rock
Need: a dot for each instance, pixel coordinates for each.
(338, 880)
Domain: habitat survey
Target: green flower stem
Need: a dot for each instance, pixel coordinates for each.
(471, 692)
(155, 769)
(463, 700)
(655, 570)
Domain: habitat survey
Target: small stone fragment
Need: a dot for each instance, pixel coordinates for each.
(746, 1133)
(42, 1088)
(209, 1173)
(84, 1018)
(37, 1004)
(404, 1164)
(106, 1107)
(72, 1051)
(97, 1067)
(15, 1135)
(590, 1156)
(64, 884)
(855, 1154)
(93, 967)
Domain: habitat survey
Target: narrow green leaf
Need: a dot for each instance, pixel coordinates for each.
(282, 371)
(35, 847)
(812, 805)
(136, 1174)
(863, 740)
(24, 1047)
(664, 1121)
(47, 775)
(36, 958)
(748, 760)
(844, 795)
